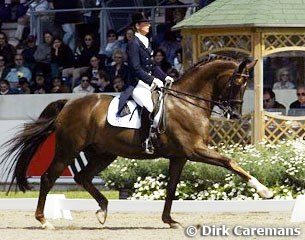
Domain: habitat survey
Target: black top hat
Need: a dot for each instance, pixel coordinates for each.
(139, 17)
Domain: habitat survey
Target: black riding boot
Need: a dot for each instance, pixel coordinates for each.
(148, 143)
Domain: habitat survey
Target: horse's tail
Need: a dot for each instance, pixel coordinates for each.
(25, 143)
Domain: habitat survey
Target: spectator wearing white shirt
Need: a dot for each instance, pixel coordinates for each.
(283, 77)
(85, 86)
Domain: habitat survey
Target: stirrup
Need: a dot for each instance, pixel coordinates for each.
(149, 148)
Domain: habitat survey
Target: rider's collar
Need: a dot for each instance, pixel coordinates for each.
(143, 39)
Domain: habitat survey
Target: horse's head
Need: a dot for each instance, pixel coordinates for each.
(233, 89)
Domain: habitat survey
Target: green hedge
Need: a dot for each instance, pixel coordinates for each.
(280, 167)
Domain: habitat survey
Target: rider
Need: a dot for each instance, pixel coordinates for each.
(144, 74)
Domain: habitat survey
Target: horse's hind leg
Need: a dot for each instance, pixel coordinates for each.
(203, 154)
(46, 183)
(96, 163)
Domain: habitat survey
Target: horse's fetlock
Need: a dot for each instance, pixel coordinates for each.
(39, 216)
(103, 204)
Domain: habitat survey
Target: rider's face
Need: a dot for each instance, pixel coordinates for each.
(143, 27)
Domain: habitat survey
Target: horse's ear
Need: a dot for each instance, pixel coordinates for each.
(246, 63)
(251, 65)
(242, 65)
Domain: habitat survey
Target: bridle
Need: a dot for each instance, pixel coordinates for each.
(224, 104)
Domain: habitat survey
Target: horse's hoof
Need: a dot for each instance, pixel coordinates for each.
(175, 225)
(101, 215)
(48, 226)
(266, 193)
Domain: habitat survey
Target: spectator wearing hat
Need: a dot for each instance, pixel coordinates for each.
(18, 71)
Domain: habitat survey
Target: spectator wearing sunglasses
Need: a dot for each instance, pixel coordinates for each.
(84, 86)
(269, 101)
(300, 102)
(283, 77)
(85, 52)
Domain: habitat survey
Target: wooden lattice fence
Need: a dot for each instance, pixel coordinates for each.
(278, 127)
(228, 132)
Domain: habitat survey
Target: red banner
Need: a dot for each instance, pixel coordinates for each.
(43, 158)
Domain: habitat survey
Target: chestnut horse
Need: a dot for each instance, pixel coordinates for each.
(81, 125)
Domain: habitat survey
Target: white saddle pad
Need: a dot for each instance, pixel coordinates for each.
(131, 120)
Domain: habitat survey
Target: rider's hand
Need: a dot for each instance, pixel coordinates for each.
(158, 82)
(169, 79)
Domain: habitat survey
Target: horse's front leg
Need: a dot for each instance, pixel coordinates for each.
(203, 154)
(175, 168)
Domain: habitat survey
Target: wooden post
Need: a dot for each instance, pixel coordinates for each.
(258, 89)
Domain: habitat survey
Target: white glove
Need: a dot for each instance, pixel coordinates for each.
(169, 79)
(158, 82)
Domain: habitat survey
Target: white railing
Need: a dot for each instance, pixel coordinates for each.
(57, 206)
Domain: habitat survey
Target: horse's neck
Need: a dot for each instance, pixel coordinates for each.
(198, 83)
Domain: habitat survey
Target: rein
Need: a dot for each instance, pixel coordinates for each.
(223, 105)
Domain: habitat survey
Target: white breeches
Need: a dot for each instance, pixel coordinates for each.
(142, 95)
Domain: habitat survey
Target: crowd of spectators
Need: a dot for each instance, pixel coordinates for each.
(70, 59)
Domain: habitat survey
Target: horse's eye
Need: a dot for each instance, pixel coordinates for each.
(239, 81)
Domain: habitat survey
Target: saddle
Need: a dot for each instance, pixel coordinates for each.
(131, 115)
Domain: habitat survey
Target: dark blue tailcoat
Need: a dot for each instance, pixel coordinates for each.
(141, 67)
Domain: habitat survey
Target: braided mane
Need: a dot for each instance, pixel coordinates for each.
(208, 59)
